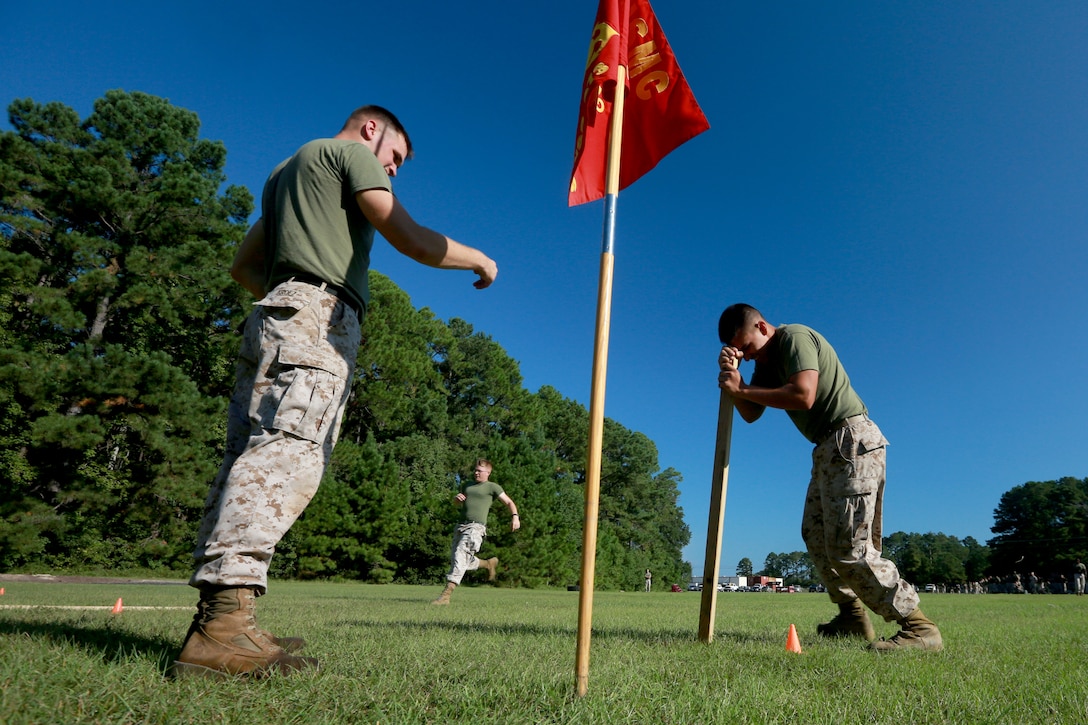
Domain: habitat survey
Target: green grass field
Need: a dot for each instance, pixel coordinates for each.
(507, 656)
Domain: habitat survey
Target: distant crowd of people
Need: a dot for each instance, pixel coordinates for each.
(1028, 584)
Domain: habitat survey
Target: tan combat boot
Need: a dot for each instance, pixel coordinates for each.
(224, 640)
(492, 566)
(917, 633)
(444, 597)
(851, 621)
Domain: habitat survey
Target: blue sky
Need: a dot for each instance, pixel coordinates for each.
(908, 178)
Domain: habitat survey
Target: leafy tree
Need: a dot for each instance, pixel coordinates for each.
(744, 567)
(1040, 526)
(114, 246)
(397, 385)
(976, 561)
(638, 507)
(935, 558)
(487, 401)
(795, 568)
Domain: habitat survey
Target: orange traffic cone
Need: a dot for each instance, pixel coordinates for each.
(117, 607)
(1, 591)
(793, 644)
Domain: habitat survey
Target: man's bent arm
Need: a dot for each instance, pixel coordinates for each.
(797, 394)
(509, 502)
(247, 269)
(424, 245)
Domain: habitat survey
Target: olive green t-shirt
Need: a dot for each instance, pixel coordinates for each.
(796, 348)
(313, 224)
(478, 500)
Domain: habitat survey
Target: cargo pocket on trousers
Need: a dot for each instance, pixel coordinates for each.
(857, 440)
(865, 471)
(312, 385)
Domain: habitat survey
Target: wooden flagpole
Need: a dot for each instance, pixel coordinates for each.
(716, 518)
(596, 403)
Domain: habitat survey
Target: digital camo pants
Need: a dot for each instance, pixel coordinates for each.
(467, 540)
(841, 524)
(297, 357)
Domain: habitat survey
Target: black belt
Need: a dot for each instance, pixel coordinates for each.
(842, 423)
(338, 292)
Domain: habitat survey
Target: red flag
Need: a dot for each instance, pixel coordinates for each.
(660, 111)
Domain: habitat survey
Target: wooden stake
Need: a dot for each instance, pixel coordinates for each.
(716, 519)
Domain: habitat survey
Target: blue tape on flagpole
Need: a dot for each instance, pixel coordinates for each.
(608, 238)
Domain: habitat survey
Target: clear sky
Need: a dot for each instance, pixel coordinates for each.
(908, 178)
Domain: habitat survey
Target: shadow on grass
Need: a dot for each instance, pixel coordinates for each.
(667, 636)
(114, 646)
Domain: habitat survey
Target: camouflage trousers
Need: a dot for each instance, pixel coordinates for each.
(297, 357)
(842, 520)
(467, 540)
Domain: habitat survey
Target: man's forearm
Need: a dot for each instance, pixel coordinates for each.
(748, 410)
(788, 397)
(435, 249)
(421, 243)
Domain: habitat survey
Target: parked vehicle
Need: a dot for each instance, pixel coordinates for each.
(931, 588)
(695, 587)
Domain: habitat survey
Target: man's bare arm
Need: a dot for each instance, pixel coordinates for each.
(799, 393)
(424, 245)
(515, 520)
(247, 269)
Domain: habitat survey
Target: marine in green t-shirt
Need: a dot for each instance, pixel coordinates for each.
(469, 535)
(305, 261)
(799, 372)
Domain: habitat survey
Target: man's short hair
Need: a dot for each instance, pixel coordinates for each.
(365, 113)
(484, 463)
(734, 318)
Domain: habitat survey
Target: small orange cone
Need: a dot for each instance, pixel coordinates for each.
(793, 644)
(117, 608)
(1, 591)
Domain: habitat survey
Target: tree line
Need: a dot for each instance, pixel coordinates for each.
(118, 333)
(1040, 530)
(920, 558)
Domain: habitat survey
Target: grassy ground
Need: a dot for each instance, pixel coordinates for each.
(507, 656)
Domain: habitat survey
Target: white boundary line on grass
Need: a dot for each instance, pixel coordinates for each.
(125, 607)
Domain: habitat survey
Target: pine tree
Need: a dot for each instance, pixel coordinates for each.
(118, 311)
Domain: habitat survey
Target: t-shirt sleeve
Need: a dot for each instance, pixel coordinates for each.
(800, 353)
(496, 489)
(363, 171)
